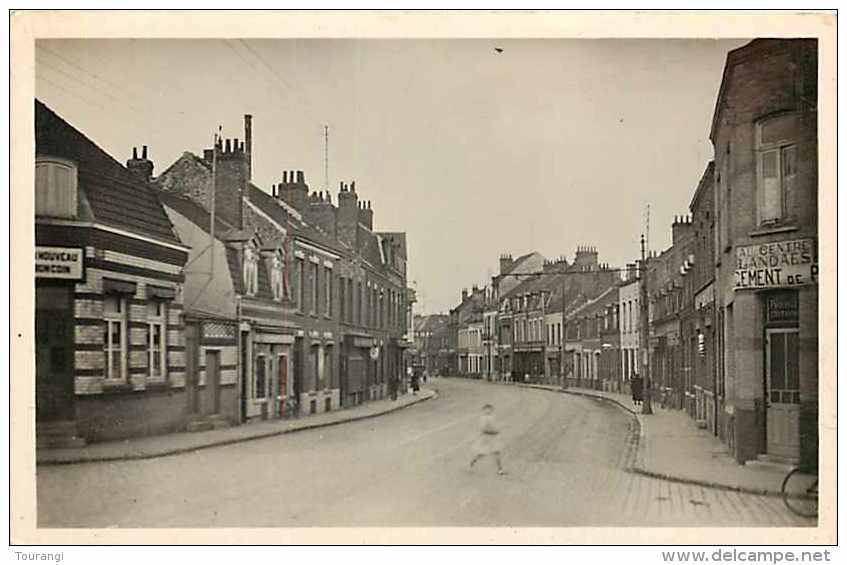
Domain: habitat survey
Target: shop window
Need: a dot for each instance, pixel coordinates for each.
(114, 340)
(55, 188)
(157, 338)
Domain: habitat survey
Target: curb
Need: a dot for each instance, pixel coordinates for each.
(706, 484)
(230, 441)
(635, 469)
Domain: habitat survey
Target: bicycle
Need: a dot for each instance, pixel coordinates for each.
(800, 493)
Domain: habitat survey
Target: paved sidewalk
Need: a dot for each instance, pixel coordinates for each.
(181, 442)
(673, 448)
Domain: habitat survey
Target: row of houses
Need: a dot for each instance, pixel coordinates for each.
(196, 299)
(733, 302)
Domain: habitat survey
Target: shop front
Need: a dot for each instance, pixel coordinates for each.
(775, 312)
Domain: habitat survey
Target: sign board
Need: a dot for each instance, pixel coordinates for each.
(375, 352)
(778, 264)
(59, 263)
(782, 307)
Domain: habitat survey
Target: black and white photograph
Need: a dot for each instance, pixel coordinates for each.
(319, 278)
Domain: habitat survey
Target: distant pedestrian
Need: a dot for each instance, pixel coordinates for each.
(416, 385)
(488, 442)
(636, 385)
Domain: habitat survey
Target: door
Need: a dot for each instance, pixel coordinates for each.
(783, 392)
(191, 356)
(282, 380)
(213, 380)
(54, 353)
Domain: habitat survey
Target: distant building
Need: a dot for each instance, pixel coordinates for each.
(629, 309)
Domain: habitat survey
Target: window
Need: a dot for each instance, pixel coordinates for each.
(317, 361)
(251, 271)
(55, 188)
(328, 367)
(314, 282)
(299, 276)
(776, 166)
(342, 299)
(114, 340)
(157, 338)
(260, 380)
(328, 291)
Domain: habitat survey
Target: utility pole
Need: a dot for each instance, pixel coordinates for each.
(644, 331)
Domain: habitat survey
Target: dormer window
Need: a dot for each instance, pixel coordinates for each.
(55, 188)
(251, 271)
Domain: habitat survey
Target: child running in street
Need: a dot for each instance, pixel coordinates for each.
(488, 443)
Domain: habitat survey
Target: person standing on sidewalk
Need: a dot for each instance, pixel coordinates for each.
(637, 386)
(488, 442)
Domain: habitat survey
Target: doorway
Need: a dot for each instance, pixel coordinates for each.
(282, 379)
(213, 380)
(191, 357)
(783, 392)
(54, 352)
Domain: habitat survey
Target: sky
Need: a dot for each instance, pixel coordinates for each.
(547, 145)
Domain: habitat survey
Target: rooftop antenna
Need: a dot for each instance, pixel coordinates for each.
(326, 158)
(647, 230)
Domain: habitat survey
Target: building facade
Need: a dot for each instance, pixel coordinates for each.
(764, 133)
(109, 327)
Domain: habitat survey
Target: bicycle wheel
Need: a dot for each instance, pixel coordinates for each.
(800, 493)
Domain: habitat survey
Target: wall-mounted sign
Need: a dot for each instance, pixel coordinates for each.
(375, 352)
(59, 263)
(778, 264)
(782, 307)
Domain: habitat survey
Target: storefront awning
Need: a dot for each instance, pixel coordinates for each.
(161, 292)
(120, 287)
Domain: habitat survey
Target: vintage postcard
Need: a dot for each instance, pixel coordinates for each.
(423, 277)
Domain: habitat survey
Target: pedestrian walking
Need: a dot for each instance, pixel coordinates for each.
(488, 442)
(637, 388)
(416, 385)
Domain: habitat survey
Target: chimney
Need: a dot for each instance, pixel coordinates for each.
(141, 168)
(366, 215)
(231, 178)
(248, 140)
(348, 213)
(464, 294)
(506, 262)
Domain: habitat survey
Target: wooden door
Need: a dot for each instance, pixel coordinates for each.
(282, 380)
(783, 392)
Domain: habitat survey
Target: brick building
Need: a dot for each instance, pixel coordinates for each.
(764, 132)
(707, 398)
(109, 330)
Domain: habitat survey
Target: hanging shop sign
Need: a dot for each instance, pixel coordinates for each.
(375, 352)
(778, 264)
(59, 263)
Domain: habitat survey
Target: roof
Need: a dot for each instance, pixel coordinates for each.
(195, 213)
(609, 296)
(706, 182)
(115, 196)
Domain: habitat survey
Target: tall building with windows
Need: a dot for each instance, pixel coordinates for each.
(764, 132)
(109, 329)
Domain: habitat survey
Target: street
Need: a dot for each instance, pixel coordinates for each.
(565, 458)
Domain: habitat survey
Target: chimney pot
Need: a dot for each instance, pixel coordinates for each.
(143, 151)
(135, 152)
(353, 186)
(228, 146)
